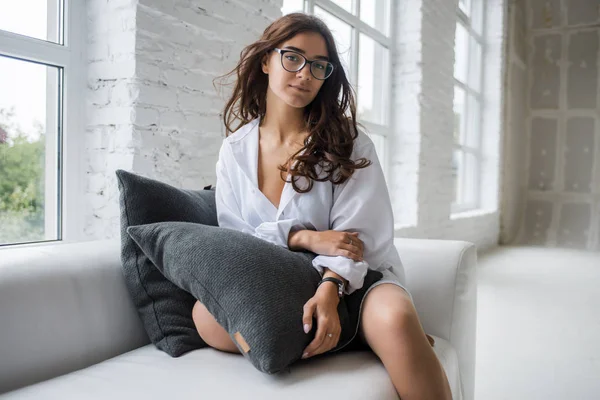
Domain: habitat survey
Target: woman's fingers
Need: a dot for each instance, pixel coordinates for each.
(322, 341)
(329, 342)
(317, 341)
(307, 317)
(352, 238)
(350, 251)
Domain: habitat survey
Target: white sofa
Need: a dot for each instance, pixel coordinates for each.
(68, 330)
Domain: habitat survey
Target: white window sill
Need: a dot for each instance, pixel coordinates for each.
(398, 227)
(471, 213)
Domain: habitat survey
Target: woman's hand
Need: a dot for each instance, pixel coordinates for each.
(323, 306)
(328, 243)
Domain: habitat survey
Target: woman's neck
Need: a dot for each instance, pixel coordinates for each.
(282, 122)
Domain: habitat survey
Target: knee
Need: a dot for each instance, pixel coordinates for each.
(394, 319)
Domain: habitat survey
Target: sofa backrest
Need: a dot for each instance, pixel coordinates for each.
(62, 307)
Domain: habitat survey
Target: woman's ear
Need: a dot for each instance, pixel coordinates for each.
(265, 63)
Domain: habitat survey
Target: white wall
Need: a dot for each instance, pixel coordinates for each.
(561, 184)
(152, 108)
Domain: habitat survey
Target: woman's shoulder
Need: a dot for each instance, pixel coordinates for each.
(363, 145)
(242, 132)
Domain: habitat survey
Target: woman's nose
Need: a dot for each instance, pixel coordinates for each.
(304, 73)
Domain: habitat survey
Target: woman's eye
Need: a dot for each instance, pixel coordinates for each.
(320, 66)
(292, 58)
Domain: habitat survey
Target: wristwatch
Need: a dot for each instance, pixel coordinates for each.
(338, 282)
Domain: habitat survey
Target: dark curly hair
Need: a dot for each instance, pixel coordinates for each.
(332, 132)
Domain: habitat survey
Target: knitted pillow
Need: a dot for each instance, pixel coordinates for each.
(165, 309)
(255, 290)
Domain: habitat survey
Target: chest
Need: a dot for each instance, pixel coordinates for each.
(270, 178)
(269, 199)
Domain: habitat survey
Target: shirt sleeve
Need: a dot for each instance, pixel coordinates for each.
(278, 232)
(230, 216)
(361, 204)
(228, 210)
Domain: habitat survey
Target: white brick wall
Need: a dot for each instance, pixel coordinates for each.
(152, 107)
(407, 76)
(111, 96)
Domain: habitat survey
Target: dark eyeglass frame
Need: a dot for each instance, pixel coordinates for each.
(306, 61)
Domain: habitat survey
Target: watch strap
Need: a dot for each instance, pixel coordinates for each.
(337, 281)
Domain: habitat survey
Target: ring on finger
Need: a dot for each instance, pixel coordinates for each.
(330, 335)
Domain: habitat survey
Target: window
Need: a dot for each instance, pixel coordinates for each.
(361, 29)
(40, 77)
(468, 105)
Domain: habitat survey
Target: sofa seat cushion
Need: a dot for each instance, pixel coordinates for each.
(211, 374)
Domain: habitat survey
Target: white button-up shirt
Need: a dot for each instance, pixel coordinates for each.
(361, 204)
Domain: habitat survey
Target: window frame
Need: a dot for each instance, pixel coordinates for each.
(64, 174)
(465, 149)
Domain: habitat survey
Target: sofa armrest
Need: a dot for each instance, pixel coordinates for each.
(62, 307)
(441, 276)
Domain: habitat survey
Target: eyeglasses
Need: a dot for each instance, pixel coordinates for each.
(294, 62)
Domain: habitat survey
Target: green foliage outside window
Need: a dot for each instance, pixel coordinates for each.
(21, 183)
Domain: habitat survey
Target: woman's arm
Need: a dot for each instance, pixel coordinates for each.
(301, 240)
(361, 205)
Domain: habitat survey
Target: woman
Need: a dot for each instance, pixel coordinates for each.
(297, 172)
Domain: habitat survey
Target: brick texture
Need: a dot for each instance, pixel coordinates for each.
(151, 105)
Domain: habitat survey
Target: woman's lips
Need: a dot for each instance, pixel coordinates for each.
(299, 89)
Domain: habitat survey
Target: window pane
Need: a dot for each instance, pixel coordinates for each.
(290, 6)
(477, 16)
(379, 142)
(342, 33)
(376, 13)
(345, 4)
(35, 18)
(473, 132)
(372, 80)
(28, 151)
(459, 115)
(461, 47)
(470, 179)
(457, 167)
(465, 6)
(475, 67)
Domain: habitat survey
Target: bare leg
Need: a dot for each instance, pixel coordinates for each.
(210, 331)
(391, 327)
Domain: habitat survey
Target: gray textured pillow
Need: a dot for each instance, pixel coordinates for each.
(165, 309)
(254, 289)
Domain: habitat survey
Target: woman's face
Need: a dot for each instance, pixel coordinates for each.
(297, 89)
